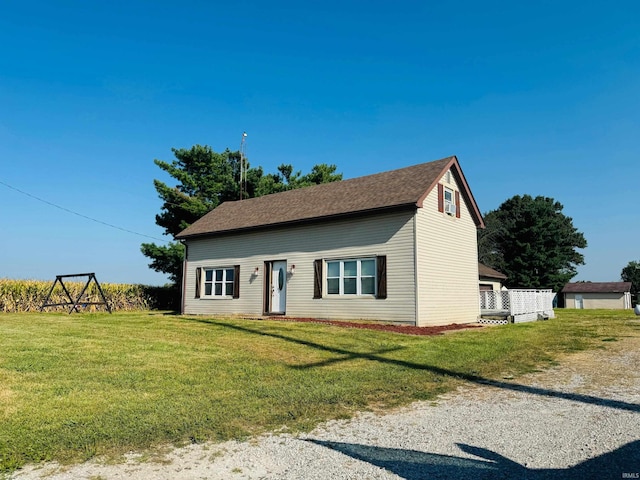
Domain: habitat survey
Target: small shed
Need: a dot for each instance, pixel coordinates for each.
(490, 279)
(613, 295)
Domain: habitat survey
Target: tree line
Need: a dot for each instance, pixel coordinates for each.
(527, 238)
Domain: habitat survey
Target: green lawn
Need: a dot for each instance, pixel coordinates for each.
(76, 386)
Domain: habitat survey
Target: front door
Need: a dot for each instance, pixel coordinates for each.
(579, 301)
(278, 287)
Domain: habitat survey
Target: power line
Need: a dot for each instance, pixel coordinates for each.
(80, 214)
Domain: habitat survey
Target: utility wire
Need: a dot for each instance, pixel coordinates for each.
(80, 214)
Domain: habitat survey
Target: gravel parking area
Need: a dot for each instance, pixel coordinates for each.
(578, 420)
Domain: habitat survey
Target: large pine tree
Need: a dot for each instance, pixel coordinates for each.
(532, 242)
(204, 180)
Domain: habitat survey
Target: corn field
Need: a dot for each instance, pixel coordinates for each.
(29, 295)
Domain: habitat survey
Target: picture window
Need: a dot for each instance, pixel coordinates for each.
(218, 282)
(351, 277)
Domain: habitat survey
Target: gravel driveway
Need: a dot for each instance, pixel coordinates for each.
(578, 420)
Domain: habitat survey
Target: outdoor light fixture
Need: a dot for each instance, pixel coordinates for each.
(256, 271)
(293, 269)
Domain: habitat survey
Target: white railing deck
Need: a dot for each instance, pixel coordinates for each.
(523, 305)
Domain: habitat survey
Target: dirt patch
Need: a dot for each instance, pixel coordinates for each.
(614, 367)
(403, 329)
(611, 369)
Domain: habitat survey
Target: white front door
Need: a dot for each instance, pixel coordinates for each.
(278, 287)
(579, 301)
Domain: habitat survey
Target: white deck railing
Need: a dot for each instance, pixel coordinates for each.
(494, 300)
(523, 305)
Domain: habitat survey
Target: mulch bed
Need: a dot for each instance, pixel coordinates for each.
(404, 329)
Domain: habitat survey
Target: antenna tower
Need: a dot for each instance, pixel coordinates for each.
(243, 166)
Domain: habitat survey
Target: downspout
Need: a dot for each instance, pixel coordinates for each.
(477, 269)
(183, 288)
(416, 295)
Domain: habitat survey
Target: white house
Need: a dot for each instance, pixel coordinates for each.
(398, 246)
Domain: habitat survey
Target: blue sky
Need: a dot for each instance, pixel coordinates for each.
(539, 98)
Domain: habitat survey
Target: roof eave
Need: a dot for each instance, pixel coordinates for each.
(373, 211)
(495, 277)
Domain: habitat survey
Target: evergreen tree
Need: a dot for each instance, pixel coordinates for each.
(532, 242)
(204, 180)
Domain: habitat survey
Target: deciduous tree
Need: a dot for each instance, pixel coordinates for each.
(631, 273)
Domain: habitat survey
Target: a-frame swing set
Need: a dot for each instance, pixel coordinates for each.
(78, 302)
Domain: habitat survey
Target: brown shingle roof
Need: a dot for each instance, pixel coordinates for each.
(403, 188)
(484, 271)
(597, 287)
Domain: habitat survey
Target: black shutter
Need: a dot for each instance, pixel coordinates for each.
(198, 281)
(267, 286)
(236, 281)
(381, 266)
(317, 278)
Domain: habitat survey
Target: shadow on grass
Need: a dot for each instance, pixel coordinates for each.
(376, 357)
(416, 465)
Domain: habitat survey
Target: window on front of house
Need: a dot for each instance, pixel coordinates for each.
(218, 282)
(351, 277)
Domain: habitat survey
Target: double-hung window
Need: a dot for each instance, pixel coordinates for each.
(218, 282)
(351, 277)
(449, 201)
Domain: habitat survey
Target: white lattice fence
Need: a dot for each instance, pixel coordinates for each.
(494, 300)
(545, 302)
(523, 305)
(527, 305)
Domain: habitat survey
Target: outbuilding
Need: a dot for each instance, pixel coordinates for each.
(616, 295)
(489, 278)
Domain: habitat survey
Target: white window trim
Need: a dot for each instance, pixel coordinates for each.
(213, 282)
(358, 278)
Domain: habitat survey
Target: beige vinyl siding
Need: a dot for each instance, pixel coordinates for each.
(384, 234)
(596, 300)
(447, 259)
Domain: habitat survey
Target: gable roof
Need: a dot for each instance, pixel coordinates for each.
(484, 271)
(597, 287)
(402, 188)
